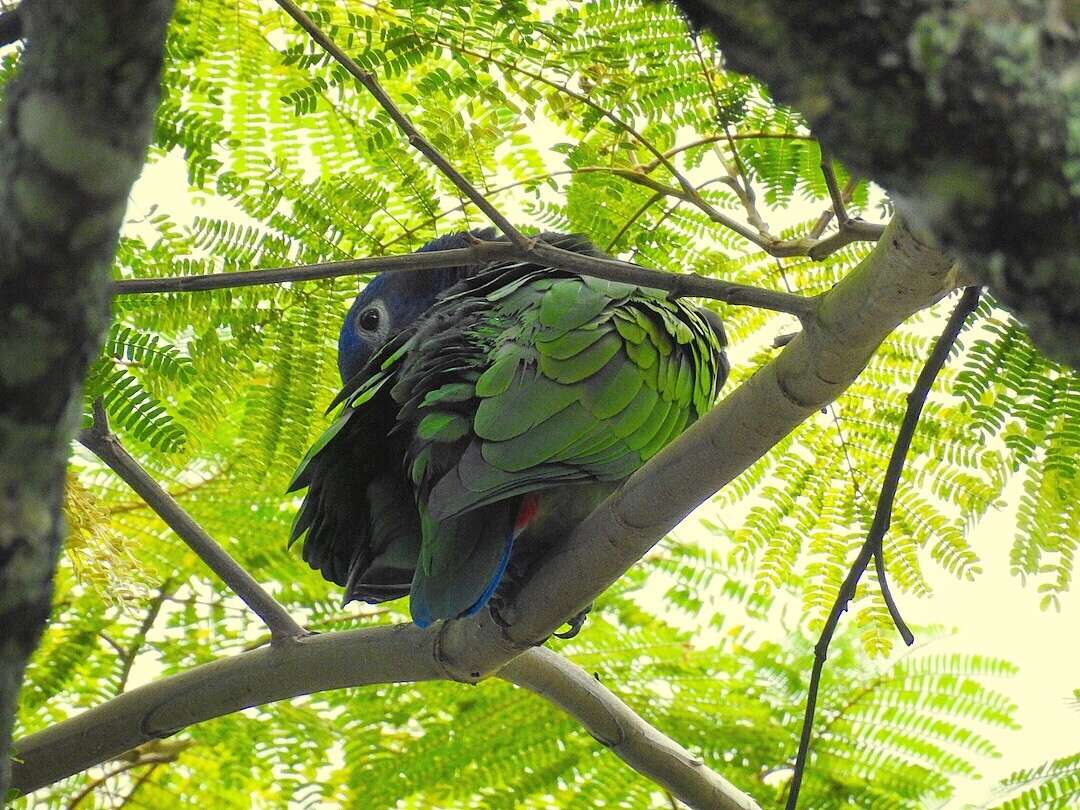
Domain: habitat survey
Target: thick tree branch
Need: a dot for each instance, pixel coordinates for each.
(872, 548)
(104, 444)
(618, 728)
(964, 111)
(76, 123)
(312, 664)
(688, 284)
(899, 277)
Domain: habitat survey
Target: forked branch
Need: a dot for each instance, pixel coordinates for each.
(898, 278)
(100, 441)
(872, 548)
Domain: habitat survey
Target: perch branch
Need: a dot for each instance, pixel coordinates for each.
(872, 548)
(104, 444)
(315, 663)
(899, 277)
(619, 729)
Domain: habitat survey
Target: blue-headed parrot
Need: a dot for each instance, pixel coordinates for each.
(487, 410)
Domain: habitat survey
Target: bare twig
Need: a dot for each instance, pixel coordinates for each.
(872, 547)
(838, 204)
(827, 215)
(689, 284)
(128, 656)
(368, 80)
(152, 759)
(853, 230)
(735, 136)
(634, 217)
(102, 443)
(144, 777)
(737, 179)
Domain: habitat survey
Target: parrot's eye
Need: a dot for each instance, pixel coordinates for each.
(369, 319)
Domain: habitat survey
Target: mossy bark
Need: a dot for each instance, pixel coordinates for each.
(967, 112)
(74, 129)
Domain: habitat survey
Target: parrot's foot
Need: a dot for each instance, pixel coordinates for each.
(576, 623)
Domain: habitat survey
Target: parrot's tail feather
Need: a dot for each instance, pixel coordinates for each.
(470, 555)
(495, 579)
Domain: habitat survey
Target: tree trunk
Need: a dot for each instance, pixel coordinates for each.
(76, 124)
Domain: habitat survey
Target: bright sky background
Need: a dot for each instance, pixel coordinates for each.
(994, 616)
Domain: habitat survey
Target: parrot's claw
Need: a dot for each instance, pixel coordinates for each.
(576, 623)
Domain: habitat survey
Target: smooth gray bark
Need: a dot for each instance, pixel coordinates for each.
(898, 278)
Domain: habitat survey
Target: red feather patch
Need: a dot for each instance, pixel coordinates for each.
(530, 505)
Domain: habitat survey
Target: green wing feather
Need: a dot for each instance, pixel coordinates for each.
(522, 378)
(578, 380)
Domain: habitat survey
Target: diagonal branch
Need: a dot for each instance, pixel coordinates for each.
(619, 729)
(104, 444)
(368, 80)
(687, 284)
(898, 278)
(872, 548)
(128, 656)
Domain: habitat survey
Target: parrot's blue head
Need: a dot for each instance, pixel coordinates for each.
(392, 301)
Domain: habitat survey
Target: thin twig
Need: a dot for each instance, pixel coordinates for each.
(421, 144)
(686, 284)
(102, 443)
(119, 650)
(735, 136)
(853, 230)
(94, 784)
(827, 215)
(738, 179)
(634, 217)
(625, 126)
(144, 777)
(838, 205)
(128, 656)
(152, 759)
(871, 548)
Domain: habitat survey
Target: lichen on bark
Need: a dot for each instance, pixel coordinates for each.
(968, 113)
(74, 128)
